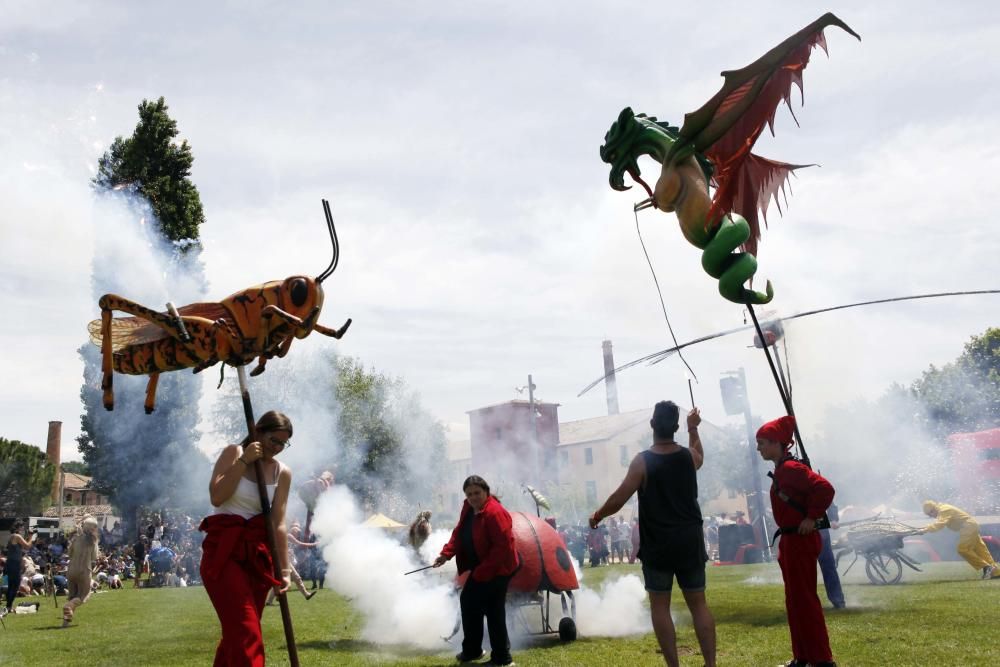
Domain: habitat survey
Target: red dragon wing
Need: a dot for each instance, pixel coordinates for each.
(726, 127)
(134, 330)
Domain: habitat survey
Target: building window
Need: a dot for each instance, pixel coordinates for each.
(564, 458)
(498, 433)
(623, 455)
(588, 456)
(591, 492)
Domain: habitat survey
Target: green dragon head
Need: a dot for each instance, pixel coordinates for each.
(634, 135)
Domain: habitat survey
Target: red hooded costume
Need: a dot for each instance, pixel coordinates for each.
(798, 493)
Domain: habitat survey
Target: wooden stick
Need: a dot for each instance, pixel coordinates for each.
(265, 508)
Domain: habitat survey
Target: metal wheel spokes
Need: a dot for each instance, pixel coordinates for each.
(883, 569)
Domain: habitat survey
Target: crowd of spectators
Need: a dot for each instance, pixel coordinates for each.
(615, 541)
(166, 552)
(618, 539)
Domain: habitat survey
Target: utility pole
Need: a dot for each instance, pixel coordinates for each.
(62, 493)
(535, 454)
(736, 399)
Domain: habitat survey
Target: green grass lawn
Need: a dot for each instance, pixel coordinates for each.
(942, 616)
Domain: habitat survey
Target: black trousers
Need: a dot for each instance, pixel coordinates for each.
(13, 583)
(485, 598)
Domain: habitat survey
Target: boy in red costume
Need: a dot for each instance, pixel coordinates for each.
(799, 498)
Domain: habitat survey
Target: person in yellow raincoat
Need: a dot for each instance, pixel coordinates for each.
(970, 545)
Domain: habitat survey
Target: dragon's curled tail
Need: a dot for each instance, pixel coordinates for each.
(730, 268)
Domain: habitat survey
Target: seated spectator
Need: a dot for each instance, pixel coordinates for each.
(61, 583)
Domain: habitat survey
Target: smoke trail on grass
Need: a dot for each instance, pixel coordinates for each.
(367, 565)
(616, 609)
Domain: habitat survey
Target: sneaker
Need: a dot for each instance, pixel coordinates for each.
(988, 571)
(310, 595)
(462, 657)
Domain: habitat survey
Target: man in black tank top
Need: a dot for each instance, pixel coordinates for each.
(671, 541)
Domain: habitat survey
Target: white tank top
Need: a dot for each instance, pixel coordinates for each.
(245, 501)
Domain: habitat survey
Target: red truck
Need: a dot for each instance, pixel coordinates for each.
(976, 462)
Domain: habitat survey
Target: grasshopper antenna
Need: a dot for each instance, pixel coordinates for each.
(336, 244)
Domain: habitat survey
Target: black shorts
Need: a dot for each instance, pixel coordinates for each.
(691, 580)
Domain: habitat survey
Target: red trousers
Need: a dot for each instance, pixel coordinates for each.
(234, 569)
(797, 557)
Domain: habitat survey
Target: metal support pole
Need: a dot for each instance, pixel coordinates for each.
(785, 399)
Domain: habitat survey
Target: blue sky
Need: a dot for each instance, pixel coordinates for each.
(480, 242)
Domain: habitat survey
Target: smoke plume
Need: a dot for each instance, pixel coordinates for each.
(367, 565)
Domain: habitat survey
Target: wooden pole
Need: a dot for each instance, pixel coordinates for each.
(265, 508)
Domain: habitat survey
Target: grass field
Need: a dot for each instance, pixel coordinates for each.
(942, 616)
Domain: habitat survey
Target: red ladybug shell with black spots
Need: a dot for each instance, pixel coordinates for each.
(546, 564)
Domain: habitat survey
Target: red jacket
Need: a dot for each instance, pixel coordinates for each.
(803, 486)
(492, 539)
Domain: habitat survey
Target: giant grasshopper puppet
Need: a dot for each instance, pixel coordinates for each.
(713, 147)
(260, 322)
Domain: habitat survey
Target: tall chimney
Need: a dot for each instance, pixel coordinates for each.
(52, 451)
(610, 384)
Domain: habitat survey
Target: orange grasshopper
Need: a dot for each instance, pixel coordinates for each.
(260, 322)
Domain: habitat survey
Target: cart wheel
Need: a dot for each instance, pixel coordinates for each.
(567, 629)
(883, 569)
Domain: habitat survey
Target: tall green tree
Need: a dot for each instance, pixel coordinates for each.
(25, 479)
(158, 168)
(141, 460)
(393, 451)
(965, 394)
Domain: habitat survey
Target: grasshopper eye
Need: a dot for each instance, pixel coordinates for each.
(300, 291)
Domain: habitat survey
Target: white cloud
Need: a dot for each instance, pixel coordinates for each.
(480, 241)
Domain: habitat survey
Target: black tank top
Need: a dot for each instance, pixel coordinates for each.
(14, 554)
(670, 524)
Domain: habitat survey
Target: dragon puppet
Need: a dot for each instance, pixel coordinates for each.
(713, 147)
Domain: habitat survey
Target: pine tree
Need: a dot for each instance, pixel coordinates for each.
(141, 460)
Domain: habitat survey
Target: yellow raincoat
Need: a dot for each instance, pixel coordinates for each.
(970, 545)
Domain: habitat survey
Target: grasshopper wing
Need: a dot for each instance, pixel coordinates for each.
(127, 331)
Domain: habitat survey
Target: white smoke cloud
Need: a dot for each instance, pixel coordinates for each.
(367, 565)
(616, 609)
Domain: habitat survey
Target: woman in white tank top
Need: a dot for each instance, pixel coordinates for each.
(236, 565)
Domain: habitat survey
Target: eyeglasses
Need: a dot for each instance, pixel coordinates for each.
(283, 444)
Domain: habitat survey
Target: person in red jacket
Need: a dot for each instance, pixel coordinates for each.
(483, 544)
(799, 498)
